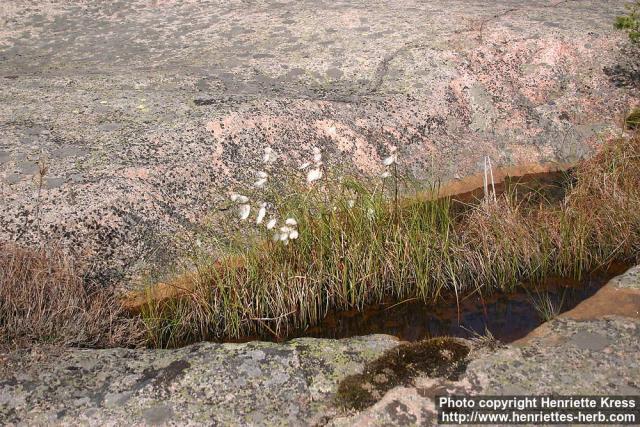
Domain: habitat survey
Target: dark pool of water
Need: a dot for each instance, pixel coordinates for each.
(508, 316)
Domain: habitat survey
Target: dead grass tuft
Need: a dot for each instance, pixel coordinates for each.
(43, 298)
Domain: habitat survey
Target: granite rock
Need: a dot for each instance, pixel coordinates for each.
(143, 115)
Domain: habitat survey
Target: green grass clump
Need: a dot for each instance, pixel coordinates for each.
(630, 22)
(359, 243)
(545, 306)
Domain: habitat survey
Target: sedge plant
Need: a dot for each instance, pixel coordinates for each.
(325, 241)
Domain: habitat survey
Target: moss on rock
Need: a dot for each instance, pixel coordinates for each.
(436, 357)
(633, 119)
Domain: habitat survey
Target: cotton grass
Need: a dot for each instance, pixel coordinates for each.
(341, 243)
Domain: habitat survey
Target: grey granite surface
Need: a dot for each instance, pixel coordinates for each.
(144, 115)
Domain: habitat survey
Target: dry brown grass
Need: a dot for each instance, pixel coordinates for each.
(597, 222)
(604, 205)
(43, 298)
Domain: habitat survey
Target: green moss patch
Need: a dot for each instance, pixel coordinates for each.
(437, 357)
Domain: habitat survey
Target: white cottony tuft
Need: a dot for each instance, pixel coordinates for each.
(262, 174)
(271, 223)
(284, 229)
(260, 183)
(239, 198)
(286, 232)
(314, 175)
(388, 161)
(317, 155)
(244, 211)
(351, 203)
(292, 222)
(304, 166)
(261, 213)
(371, 213)
(386, 174)
(269, 155)
(332, 130)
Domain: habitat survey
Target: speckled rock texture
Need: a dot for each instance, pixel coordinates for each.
(147, 113)
(295, 383)
(592, 357)
(628, 280)
(256, 383)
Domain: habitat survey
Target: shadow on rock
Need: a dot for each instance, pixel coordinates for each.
(627, 72)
